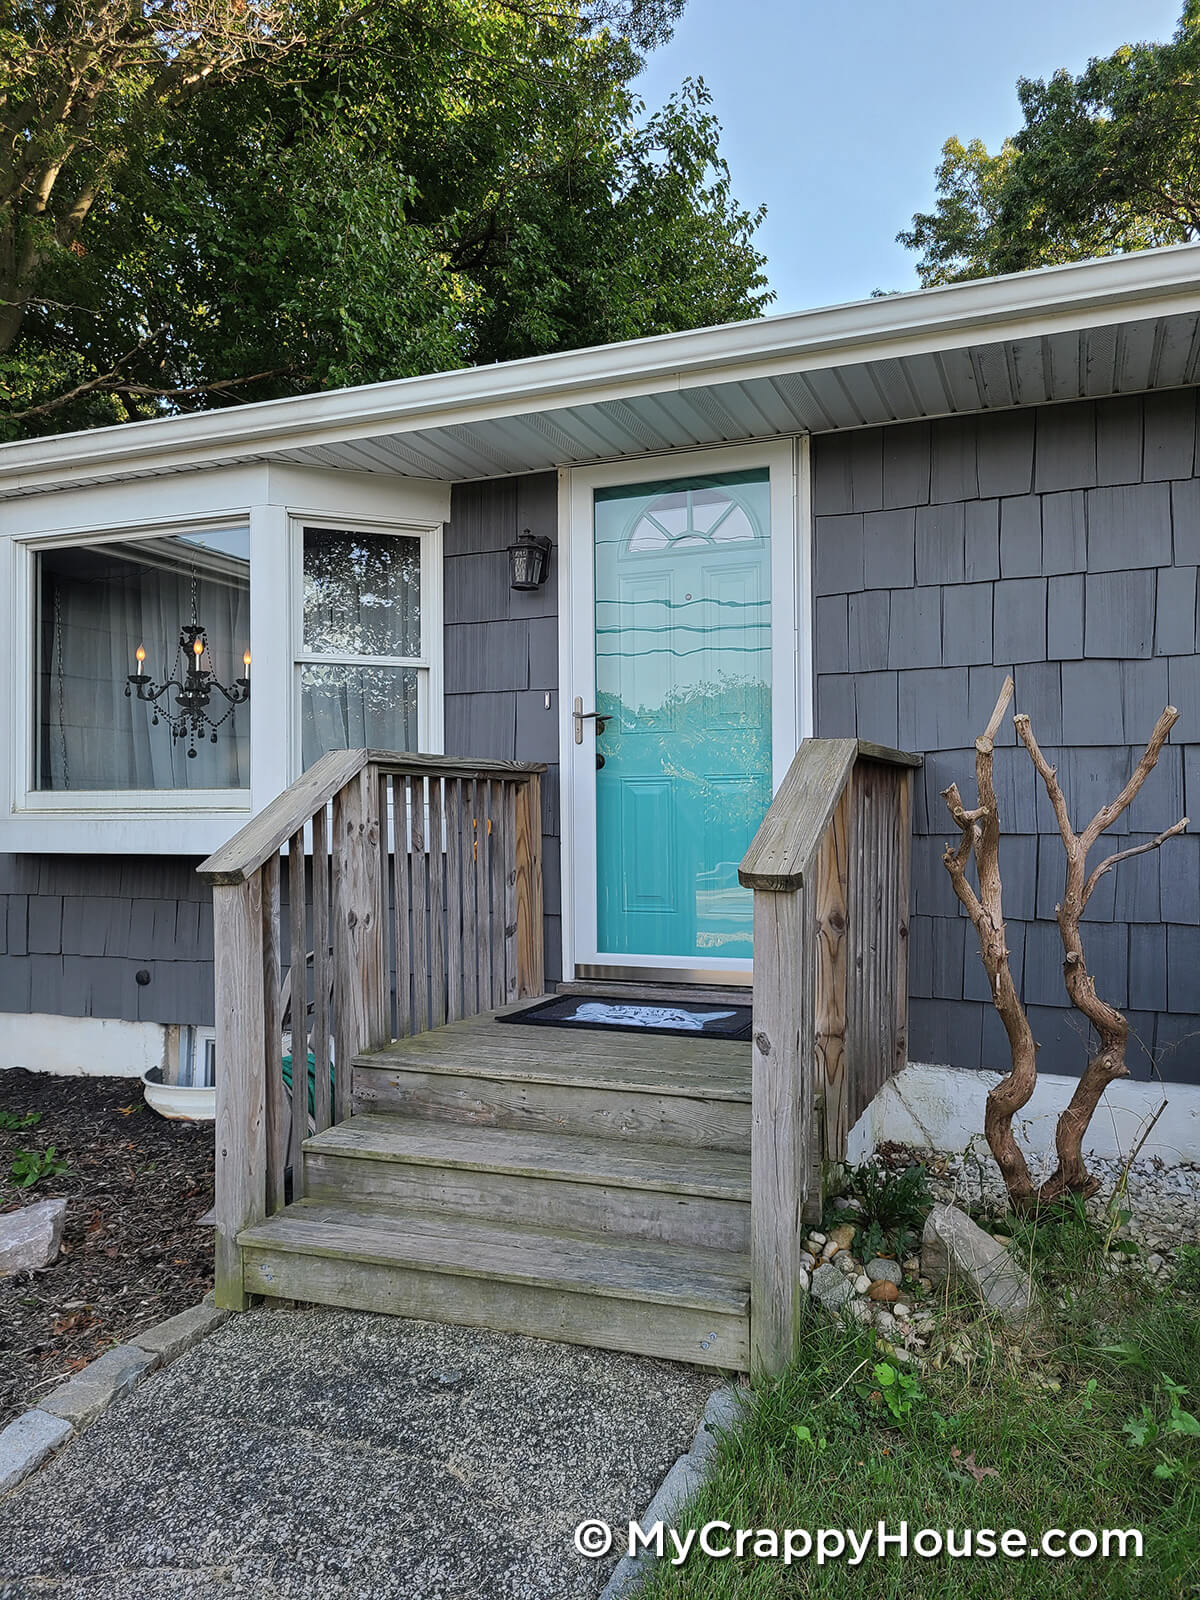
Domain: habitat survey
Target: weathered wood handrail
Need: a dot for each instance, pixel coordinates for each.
(830, 868)
(427, 867)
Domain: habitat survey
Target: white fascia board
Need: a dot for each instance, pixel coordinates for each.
(417, 501)
(1132, 287)
(216, 495)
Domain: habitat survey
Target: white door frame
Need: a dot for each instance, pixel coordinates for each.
(791, 669)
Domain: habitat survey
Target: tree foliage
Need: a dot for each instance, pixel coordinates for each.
(209, 201)
(1105, 162)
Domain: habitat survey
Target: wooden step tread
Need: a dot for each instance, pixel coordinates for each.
(678, 1169)
(623, 1269)
(480, 1047)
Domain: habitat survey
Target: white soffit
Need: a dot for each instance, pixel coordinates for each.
(1120, 325)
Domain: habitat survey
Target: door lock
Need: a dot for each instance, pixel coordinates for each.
(582, 716)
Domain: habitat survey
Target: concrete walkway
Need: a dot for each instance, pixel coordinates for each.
(304, 1454)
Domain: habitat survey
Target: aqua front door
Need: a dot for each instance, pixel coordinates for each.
(674, 729)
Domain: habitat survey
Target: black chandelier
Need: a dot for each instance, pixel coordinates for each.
(189, 718)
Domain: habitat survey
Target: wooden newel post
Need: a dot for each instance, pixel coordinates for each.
(782, 1120)
(241, 1142)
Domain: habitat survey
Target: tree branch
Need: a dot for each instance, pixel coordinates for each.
(93, 384)
(108, 383)
(147, 391)
(1108, 814)
(1136, 850)
(1049, 776)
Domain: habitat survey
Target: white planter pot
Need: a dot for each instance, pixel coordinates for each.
(178, 1101)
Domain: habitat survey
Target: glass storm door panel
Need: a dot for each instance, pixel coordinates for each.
(683, 685)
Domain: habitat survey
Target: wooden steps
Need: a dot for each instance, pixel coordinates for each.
(663, 1089)
(676, 1193)
(621, 1294)
(592, 1187)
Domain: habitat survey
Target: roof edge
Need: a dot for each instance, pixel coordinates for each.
(846, 333)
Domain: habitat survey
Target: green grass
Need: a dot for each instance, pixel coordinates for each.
(1080, 1424)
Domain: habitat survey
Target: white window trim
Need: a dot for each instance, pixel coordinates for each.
(430, 697)
(192, 823)
(791, 659)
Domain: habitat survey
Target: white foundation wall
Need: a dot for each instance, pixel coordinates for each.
(941, 1108)
(89, 1047)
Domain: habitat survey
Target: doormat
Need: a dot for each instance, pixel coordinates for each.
(635, 1016)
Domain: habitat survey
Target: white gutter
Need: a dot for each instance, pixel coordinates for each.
(1083, 294)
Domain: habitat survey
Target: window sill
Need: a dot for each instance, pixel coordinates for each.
(103, 829)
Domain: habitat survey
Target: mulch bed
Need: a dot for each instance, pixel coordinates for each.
(132, 1252)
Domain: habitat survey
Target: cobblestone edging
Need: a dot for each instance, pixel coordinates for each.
(35, 1435)
(721, 1415)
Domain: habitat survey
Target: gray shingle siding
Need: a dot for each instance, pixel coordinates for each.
(502, 649)
(1062, 545)
(77, 930)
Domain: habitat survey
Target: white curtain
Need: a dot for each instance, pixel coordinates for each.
(362, 597)
(97, 604)
(345, 707)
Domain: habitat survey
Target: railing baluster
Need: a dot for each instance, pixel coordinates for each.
(831, 917)
(496, 881)
(470, 871)
(322, 971)
(508, 799)
(357, 930)
(527, 857)
(402, 898)
(298, 967)
(437, 903)
(420, 901)
(454, 905)
(900, 912)
(374, 928)
(483, 892)
(387, 897)
(273, 1048)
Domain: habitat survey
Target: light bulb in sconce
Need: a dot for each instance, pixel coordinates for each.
(140, 656)
(246, 662)
(198, 648)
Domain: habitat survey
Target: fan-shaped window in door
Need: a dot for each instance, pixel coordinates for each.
(693, 516)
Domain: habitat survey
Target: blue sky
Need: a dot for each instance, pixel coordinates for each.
(835, 113)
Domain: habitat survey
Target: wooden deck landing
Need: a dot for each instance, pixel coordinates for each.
(581, 1185)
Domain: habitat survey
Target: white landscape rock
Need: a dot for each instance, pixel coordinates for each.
(30, 1237)
(952, 1246)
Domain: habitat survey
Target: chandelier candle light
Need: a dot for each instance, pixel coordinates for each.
(193, 685)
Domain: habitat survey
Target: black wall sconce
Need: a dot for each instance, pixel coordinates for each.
(528, 561)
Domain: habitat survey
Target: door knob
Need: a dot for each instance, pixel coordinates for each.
(582, 716)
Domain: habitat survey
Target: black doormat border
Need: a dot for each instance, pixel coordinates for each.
(736, 1027)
